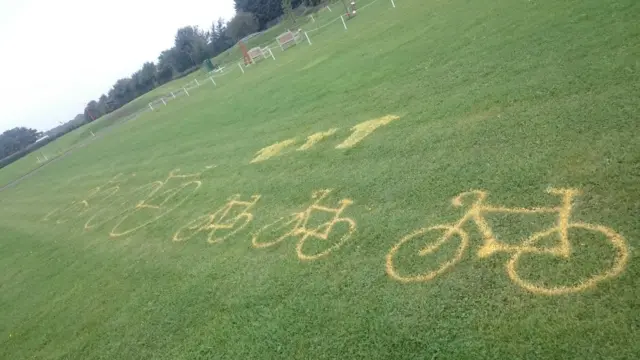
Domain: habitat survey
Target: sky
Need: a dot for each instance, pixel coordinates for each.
(59, 55)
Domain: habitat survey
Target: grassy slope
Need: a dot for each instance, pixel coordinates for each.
(510, 97)
(82, 135)
(52, 150)
(267, 38)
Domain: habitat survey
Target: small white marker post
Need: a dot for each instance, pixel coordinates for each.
(197, 83)
(213, 81)
(92, 134)
(271, 52)
(328, 8)
(150, 107)
(174, 95)
(164, 102)
(240, 66)
(307, 36)
(312, 18)
(393, 3)
(185, 91)
(343, 23)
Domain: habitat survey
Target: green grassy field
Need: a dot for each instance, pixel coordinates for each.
(229, 59)
(510, 98)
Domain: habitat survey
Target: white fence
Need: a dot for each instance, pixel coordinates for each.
(266, 49)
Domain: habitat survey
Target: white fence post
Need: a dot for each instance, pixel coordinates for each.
(151, 107)
(343, 23)
(393, 3)
(213, 81)
(164, 102)
(185, 91)
(328, 8)
(312, 18)
(174, 95)
(197, 83)
(307, 36)
(271, 52)
(240, 66)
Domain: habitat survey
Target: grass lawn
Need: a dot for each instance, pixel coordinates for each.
(384, 124)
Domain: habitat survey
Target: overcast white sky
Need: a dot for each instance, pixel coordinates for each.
(58, 55)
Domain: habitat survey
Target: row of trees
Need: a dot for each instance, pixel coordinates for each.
(17, 139)
(192, 46)
(20, 141)
(268, 10)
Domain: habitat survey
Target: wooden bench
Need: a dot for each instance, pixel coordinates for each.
(288, 39)
(256, 54)
(266, 53)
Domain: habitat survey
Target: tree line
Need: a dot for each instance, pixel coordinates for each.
(192, 48)
(16, 139)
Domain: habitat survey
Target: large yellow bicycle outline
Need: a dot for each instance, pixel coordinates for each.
(300, 220)
(103, 192)
(165, 196)
(215, 221)
(491, 245)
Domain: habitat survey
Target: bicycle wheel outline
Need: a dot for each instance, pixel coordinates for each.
(335, 247)
(198, 229)
(92, 194)
(293, 218)
(248, 218)
(450, 232)
(113, 234)
(62, 212)
(123, 206)
(616, 240)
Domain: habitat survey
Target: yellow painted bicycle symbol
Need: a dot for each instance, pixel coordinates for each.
(529, 246)
(296, 225)
(154, 206)
(79, 208)
(220, 220)
(144, 205)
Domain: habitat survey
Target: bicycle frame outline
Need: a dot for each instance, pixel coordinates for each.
(300, 229)
(213, 222)
(85, 202)
(168, 194)
(305, 216)
(491, 245)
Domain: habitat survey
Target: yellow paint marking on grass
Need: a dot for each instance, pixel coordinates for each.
(316, 138)
(491, 245)
(296, 225)
(155, 202)
(80, 207)
(622, 258)
(220, 220)
(272, 150)
(365, 129)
